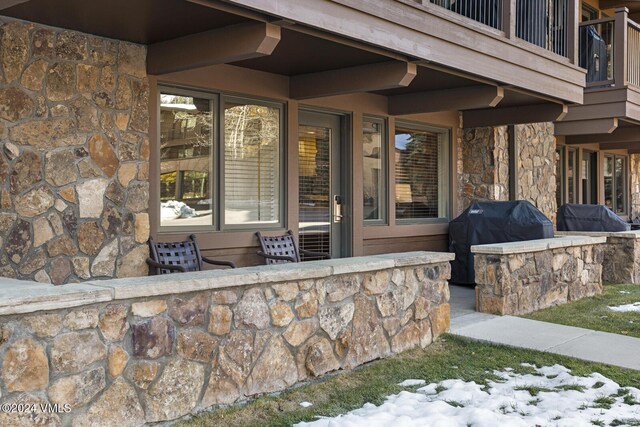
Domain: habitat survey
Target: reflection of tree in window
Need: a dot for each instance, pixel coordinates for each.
(252, 171)
(186, 125)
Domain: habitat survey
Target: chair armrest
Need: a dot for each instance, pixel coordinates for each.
(217, 262)
(169, 267)
(322, 255)
(277, 257)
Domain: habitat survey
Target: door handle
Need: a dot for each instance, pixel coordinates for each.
(337, 208)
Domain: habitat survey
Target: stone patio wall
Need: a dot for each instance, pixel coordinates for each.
(621, 261)
(74, 153)
(522, 277)
(133, 351)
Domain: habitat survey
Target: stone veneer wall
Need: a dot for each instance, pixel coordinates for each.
(124, 357)
(537, 274)
(485, 165)
(621, 263)
(537, 166)
(635, 184)
(74, 155)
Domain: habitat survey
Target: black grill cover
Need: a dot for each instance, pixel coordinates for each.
(589, 218)
(492, 222)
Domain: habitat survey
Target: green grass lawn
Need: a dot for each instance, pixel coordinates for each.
(450, 357)
(593, 313)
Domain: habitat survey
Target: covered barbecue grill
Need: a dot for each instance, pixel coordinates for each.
(589, 218)
(492, 222)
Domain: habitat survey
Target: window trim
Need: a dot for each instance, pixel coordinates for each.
(217, 161)
(444, 172)
(384, 170)
(214, 99)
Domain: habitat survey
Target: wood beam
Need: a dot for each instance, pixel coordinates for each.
(533, 113)
(6, 4)
(612, 4)
(621, 145)
(587, 127)
(456, 99)
(620, 135)
(362, 78)
(634, 151)
(219, 46)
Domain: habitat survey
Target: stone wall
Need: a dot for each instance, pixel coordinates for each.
(522, 277)
(536, 147)
(144, 350)
(635, 184)
(74, 155)
(621, 263)
(485, 165)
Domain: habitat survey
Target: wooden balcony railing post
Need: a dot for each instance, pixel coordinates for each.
(509, 14)
(620, 47)
(573, 19)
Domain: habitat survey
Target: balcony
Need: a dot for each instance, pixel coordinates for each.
(543, 23)
(495, 60)
(610, 52)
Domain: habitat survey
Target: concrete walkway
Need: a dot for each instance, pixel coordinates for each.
(585, 344)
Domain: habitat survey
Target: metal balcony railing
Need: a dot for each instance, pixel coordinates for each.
(610, 51)
(544, 23)
(487, 12)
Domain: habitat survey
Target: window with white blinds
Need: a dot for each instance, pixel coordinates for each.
(241, 162)
(251, 163)
(421, 173)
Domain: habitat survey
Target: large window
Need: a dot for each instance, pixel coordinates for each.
(251, 163)
(373, 170)
(421, 172)
(615, 183)
(186, 140)
(241, 162)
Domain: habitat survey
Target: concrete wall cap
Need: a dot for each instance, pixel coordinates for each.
(537, 245)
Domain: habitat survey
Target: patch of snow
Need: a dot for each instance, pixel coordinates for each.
(551, 396)
(626, 307)
(306, 404)
(172, 209)
(409, 383)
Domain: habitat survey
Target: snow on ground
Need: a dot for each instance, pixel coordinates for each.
(626, 307)
(409, 383)
(549, 396)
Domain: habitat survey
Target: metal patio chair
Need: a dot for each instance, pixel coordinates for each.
(284, 248)
(179, 256)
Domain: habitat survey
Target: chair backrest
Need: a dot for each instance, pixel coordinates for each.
(283, 245)
(186, 254)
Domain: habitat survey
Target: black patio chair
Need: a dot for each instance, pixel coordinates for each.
(284, 248)
(178, 256)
